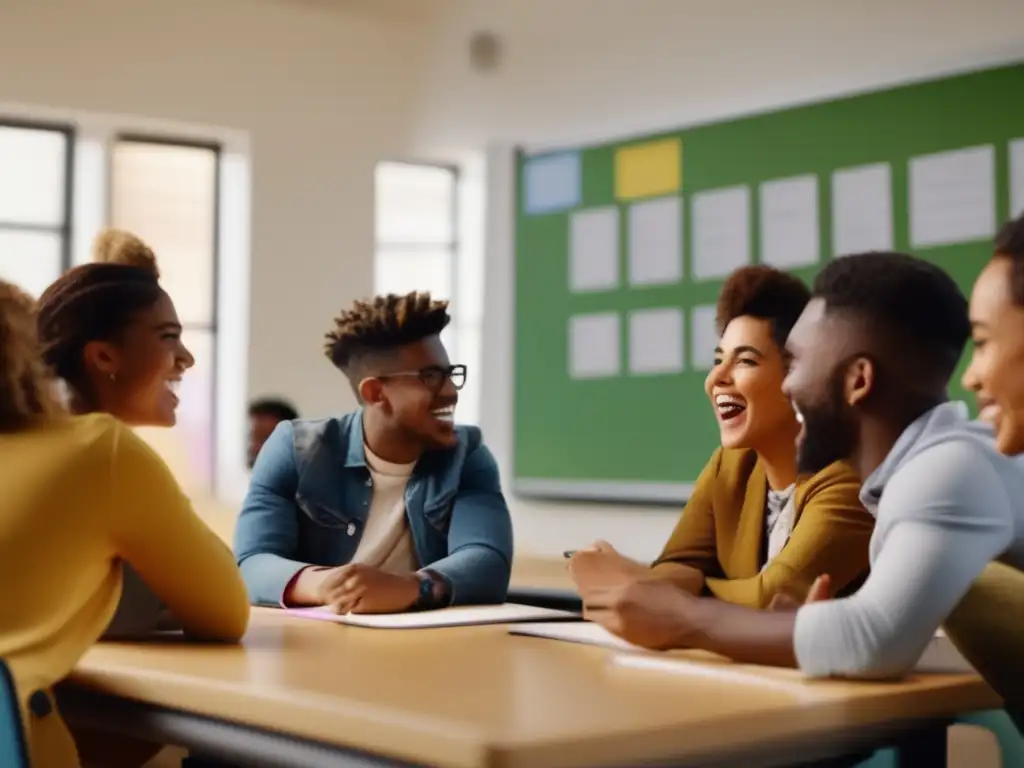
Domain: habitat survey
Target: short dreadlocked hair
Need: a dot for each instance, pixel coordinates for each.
(765, 293)
(1010, 246)
(95, 302)
(379, 326)
(903, 299)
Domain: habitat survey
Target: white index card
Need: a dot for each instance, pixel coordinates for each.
(655, 241)
(703, 337)
(789, 222)
(594, 250)
(594, 346)
(862, 209)
(1016, 178)
(656, 341)
(952, 197)
(720, 223)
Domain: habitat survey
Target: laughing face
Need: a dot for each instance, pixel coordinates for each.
(815, 385)
(994, 375)
(141, 370)
(419, 391)
(745, 386)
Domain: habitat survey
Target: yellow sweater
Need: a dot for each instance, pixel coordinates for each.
(986, 627)
(722, 532)
(80, 495)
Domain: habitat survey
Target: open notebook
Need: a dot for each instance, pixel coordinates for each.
(445, 617)
(939, 657)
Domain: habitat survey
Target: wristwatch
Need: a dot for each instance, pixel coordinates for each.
(433, 591)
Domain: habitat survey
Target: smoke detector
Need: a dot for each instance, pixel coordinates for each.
(484, 51)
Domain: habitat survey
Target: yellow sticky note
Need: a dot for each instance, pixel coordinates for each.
(648, 170)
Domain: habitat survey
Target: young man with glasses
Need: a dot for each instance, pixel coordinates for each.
(387, 509)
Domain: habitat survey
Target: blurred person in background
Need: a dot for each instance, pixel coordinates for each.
(264, 416)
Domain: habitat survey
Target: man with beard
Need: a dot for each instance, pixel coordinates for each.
(871, 358)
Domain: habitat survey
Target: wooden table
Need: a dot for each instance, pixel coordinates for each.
(307, 693)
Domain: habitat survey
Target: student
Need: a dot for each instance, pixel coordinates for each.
(264, 416)
(111, 334)
(870, 360)
(80, 495)
(750, 530)
(392, 507)
(986, 625)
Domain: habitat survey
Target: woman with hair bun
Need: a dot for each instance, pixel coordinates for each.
(111, 333)
(81, 495)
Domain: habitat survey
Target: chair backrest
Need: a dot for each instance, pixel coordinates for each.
(13, 747)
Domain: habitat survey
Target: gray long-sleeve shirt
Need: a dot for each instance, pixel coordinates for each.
(946, 504)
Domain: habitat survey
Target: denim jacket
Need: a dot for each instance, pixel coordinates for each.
(309, 499)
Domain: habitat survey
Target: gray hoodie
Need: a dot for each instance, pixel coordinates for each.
(946, 504)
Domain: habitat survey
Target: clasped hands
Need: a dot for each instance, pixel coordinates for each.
(354, 588)
(644, 607)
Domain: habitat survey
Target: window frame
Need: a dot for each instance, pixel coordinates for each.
(452, 246)
(213, 327)
(66, 229)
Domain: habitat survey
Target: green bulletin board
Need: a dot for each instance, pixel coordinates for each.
(621, 250)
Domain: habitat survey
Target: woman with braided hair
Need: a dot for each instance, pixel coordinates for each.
(81, 495)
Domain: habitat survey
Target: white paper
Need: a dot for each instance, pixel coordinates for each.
(1016, 178)
(656, 341)
(703, 337)
(585, 632)
(594, 250)
(551, 183)
(789, 222)
(655, 241)
(952, 197)
(445, 617)
(862, 209)
(720, 222)
(594, 346)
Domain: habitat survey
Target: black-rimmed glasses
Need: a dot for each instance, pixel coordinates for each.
(434, 376)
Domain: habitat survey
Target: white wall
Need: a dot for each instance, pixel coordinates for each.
(322, 92)
(589, 70)
(325, 88)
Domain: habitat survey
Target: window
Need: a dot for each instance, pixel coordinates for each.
(35, 203)
(417, 246)
(166, 193)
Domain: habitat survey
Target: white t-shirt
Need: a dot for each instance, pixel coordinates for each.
(387, 541)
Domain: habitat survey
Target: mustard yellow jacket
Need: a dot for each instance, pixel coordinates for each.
(721, 532)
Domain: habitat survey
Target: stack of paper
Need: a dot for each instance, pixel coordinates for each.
(445, 617)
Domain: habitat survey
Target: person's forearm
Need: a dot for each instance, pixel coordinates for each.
(304, 589)
(267, 576)
(686, 577)
(742, 634)
(476, 574)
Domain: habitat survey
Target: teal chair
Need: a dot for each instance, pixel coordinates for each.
(1011, 743)
(13, 749)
